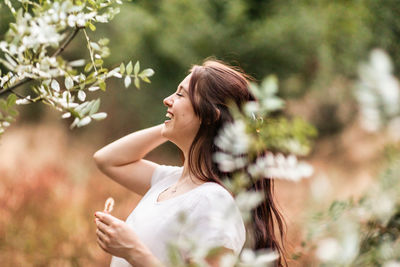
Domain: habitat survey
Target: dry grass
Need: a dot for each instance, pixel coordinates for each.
(50, 189)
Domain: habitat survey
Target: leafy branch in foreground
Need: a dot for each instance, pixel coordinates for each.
(366, 231)
(32, 52)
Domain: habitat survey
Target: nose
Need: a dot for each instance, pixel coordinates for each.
(168, 101)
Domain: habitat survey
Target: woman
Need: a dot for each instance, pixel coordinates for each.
(195, 113)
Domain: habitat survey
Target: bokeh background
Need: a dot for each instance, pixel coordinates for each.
(49, 185)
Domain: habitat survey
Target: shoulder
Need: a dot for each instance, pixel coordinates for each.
(162, 172)
(216, 201)
(216, 220)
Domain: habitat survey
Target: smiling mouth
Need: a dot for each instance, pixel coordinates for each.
(169, 116)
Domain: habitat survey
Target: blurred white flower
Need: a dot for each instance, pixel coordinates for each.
(378, 91)
(391, 264)
(233, 142)
(277, 166)
(328, 249)
(99, 116)
(260, 258)
(66, 115)
(233, 138)
(5, 124)
(246, 201)
(23, 101)
(229, 163)
(349, 242)
(81, 95)
(382, 206)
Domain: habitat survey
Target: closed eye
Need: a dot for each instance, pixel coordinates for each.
(179, 94)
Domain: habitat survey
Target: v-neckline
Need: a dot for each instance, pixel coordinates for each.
(157, 196)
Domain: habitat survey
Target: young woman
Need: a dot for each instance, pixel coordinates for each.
(195, 113)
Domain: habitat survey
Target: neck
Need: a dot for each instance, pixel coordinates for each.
(187, 176)
(186, 171)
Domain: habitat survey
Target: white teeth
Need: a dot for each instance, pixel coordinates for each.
(168, 115)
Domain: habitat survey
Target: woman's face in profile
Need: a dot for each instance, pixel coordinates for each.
(182, 124)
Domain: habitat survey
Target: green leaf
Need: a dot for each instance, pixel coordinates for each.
(87, 108)
(98, 62)
(137, 82)
(10, 119)
(147, 73)
(88, 67)
(145, 79)
(122, 68)
(81, 107)
(13, 112)
(95, 107)
(137, 68)
(104, 41)
(129, 68)
(11, 100)
(103, 86)
(91, 26)
(3, 105)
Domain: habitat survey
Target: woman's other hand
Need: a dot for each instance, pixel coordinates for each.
(117, 238)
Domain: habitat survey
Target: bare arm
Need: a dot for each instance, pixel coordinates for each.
(122, 160)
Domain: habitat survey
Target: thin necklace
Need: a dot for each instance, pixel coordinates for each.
(174, 190)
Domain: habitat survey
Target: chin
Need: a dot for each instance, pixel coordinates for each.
(165, 132)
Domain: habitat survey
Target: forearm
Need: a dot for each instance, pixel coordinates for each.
(131, 147)
(142, 257)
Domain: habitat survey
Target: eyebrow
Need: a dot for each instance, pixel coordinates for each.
(183, 88)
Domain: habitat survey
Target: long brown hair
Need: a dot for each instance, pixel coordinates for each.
(212, 86)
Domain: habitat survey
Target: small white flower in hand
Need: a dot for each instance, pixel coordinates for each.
(108, 207)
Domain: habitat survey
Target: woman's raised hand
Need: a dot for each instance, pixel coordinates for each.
(122, 160)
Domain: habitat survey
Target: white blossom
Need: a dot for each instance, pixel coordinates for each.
(261, 258)
(328, 249)
(99, 116)
(81, 95)
(5, 124)
(280, 167)
(23, 101)
(246, 201)
(391, 263)
(378, 91)
(66, 115)
(233, 138)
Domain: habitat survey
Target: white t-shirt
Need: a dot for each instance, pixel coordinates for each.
(213, 219)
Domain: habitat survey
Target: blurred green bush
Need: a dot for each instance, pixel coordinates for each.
(308, 44)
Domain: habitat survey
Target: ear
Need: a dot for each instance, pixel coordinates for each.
(218, 113)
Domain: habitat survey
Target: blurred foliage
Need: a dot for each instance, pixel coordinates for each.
(363, 231)
(308, 44)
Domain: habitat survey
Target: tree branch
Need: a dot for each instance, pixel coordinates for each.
(56, 53)
(67, 41)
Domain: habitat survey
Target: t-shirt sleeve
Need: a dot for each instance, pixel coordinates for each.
(162, 172)
(216, 221)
